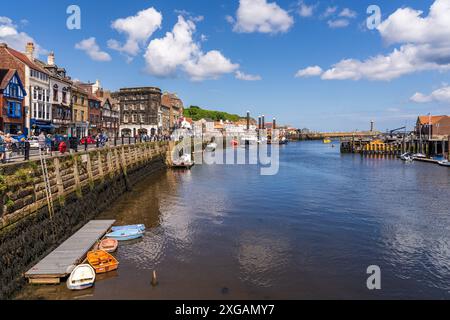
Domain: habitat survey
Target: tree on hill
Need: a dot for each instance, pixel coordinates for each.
(197, 113)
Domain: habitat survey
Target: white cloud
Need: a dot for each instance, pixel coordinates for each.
(424, 45)
(247, 77)
(305, 10)
(138, 29)
(261, 16)
(439, 95)
(329, 11)
(347, 13)
(230, 19)
(309, 72)
(92, 49)
(177, 50)
(339, 23)
(408, 25)
(10, 34)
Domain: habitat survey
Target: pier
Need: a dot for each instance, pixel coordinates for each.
(60, 262)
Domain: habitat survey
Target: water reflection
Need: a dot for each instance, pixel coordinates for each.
(262, 257)
(308, 232)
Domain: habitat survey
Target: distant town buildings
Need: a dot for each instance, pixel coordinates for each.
(56, 104)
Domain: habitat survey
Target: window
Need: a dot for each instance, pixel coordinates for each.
(64, 97)
(14, 109)
(135, 118)
(75, 99)
(55, 94)
(125, 118)
(82, 115)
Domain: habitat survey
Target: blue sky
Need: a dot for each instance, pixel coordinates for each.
(269, 46)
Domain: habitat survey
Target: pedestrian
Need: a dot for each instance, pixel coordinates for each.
(62, 147)
(41, 141)
(8, 147)
(2, 147)
(48, 144)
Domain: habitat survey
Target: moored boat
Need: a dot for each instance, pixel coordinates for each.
(108, 245)
(326, 141)
(185, 162)
(102, 261)
(126, 234)
(140, 227)
(444, 163)
(82, 277)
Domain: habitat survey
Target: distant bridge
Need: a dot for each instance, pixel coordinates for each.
(333, 135)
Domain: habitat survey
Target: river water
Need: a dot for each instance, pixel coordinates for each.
(311, 231)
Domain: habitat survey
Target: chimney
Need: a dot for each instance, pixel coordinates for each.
(29, 50)
(51, 59)
(3, 45)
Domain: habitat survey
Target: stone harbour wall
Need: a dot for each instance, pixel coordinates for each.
(82, 185)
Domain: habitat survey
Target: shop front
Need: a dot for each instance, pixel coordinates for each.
(38, 126)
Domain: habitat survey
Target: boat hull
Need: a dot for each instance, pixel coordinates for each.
(139, 227)
(82, 277)
(124, 235)
(108, 245)
(102, 261)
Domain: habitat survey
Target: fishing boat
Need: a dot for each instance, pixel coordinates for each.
(284, 140)
(406, 156)
(102, 261)
(140, 227)
(444, 163)
(126, 234)
(82, 277)
(419, 156)
(185, 162)
(108, 245)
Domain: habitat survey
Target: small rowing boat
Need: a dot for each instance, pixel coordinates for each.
(140, 227)
(126, 234)
(108, 245)
(102, 261)
(82, 277)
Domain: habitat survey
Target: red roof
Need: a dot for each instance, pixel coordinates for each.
(432, 119)
(23, 58)
(5, 77)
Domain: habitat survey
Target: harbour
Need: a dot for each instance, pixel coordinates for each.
(300, 239)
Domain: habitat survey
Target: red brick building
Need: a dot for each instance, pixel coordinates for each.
(436, 126)
(12, 94)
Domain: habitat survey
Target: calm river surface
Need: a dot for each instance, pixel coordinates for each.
(311, 231)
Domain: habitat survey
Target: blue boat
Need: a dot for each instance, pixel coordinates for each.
(139, 227)
(126, 234)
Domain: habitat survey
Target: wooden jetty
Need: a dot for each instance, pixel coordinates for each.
(60, 262)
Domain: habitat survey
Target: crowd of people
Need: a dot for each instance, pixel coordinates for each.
(20, 144)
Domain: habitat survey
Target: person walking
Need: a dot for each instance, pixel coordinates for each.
(41, 141)
(8, 147)
(2, 147)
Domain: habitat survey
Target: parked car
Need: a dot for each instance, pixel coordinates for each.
(90, 140)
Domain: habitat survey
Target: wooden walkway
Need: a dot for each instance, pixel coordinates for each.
(60, 263)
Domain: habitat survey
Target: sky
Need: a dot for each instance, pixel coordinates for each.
(322, 65)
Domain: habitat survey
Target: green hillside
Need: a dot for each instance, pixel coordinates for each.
(197, 113)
